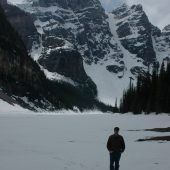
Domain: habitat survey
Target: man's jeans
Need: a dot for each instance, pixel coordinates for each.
(114, 160)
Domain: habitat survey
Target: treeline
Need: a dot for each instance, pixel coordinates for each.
(151, 94)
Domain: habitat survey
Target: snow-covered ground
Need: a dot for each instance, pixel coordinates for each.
(78, 142)
(6, 108)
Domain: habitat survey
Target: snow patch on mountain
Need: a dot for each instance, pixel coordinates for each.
(109, 86)
(57, 77)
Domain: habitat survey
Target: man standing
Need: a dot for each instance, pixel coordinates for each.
(115, 146)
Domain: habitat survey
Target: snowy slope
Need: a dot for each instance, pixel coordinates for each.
(6, 108)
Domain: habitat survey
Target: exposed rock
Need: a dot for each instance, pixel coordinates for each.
(135, 32)
(22, 79)
(162, 44)
(50, 43)
(115, 69)
(163, 130)
(7, 98)
(67, 63)
(82, 23)
(158, 138)
(166, 30)
(23, 24)
(19, 75)
(137, 70)
(69, 26)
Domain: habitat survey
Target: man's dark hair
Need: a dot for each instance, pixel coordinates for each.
(116, 128)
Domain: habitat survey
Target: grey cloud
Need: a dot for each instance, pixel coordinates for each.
(157, 11)
(109, 5)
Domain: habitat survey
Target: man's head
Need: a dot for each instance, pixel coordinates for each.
(116, 130)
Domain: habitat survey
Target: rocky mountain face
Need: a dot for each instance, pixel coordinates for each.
(135, 32)
(78, 34)
(23, 23)
(161, 43)
(75, 24)
(22, 80)
(47, 46)
(140, 37)
(68, 28)
(20, 77)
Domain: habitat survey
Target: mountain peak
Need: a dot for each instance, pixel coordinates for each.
(166, 28)
(137, 7)
(124, 8)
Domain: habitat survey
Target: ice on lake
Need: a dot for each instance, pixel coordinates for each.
(78, 142)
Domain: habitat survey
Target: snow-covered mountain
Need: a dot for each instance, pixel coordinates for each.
(161, 43)
(22, 82)
(65, 28)
(113, 46)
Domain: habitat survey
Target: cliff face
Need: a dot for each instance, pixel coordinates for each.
(161, 41)
(23, 23)
(76, 24)
(68, 63)
(135, 32)
(47, 45)
(22, 79)
(19, 76)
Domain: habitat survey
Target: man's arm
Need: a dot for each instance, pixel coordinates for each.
(109, 144)
(123, 145)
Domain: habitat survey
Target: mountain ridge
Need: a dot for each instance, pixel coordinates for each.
(113, 46)
(22, 80)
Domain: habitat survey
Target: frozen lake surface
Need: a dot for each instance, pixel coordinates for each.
(78, 142)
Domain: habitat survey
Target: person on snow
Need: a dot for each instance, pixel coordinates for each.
(116, 147)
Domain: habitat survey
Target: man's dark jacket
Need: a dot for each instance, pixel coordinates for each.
(116, 143)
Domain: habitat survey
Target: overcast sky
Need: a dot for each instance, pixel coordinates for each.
(158, 11)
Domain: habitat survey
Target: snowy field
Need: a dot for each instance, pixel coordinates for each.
(78, 142)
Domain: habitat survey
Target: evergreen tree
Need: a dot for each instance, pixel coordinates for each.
(151, 94)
